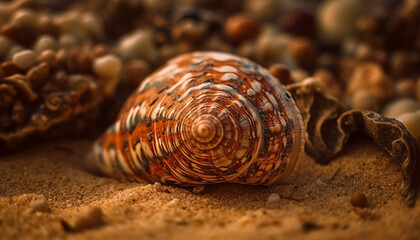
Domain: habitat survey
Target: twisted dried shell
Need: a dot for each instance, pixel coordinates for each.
(205, 117)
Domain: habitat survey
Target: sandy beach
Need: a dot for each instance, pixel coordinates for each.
(314, 205)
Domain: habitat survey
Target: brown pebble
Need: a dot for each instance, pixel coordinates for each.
(40, 205)
(134, 72)
(240, 27)
(281, 73)
(48, 56)
(371, 77)
(86, 219)
(358, 200)
(303, 52)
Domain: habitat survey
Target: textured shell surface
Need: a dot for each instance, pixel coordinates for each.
(205, 117)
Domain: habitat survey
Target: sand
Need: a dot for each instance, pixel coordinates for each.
(314, 205)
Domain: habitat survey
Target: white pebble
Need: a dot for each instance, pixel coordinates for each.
(274, 197)
(411, 121)
(92, 24)
(68, 40)
(336, 19)
(319, 182)
(107, 66)
(174, 202)
(24, 17)
(400, 106)
(45, 42)
(138, 45)
(24, 59)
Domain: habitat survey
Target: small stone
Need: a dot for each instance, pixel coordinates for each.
(24, 17)
(364, 100)
(241, 27)
(190, 31)
(335, 19)
(45, 42)
(24, 59)
(281, 73)
(138, 44)
(157, 186)
(359, 200)
(134, 72)
(107, 66)
(274, 197)
(263, 10)
(87, 219)
(370, 76)
(411, 121)
(40, 205)
(299, 23)
(174, 202)
(400, 106)
(303, 52)
(406, 87)
(67, 41)
(48, 56)
(319, 182)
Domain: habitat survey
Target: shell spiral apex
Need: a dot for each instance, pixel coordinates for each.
(205, 117)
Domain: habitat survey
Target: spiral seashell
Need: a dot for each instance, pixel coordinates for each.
(205, 117)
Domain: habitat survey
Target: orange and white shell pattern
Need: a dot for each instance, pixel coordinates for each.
(205, 117)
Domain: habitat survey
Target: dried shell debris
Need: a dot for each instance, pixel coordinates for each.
(51, 72)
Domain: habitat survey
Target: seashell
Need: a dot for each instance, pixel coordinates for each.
(205, 117)
(209, 117)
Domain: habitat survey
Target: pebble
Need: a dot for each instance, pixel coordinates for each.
(40, 205)
(411, 121)
(241, 27)
(48, 56)
(274, 197)
(24, 59)
(364, 100)
(358, 200)
(370, 76)
(107, 66)
(335, 19)
(45, 42)
(400, 106)
(24, 17)
(319, 182)
(263, 10)
(67, 40)
(270, 46)
(303, 52)
(281, 73)
(87, 219)
(138, 44)
(157, 186)
(406, 87)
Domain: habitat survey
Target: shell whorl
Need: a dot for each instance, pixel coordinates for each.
(205, 117)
